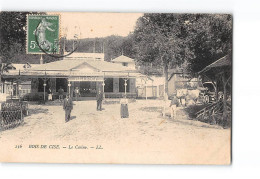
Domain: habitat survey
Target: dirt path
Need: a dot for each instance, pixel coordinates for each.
(145, 135)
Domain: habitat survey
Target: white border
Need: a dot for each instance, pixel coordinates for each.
(246, 92)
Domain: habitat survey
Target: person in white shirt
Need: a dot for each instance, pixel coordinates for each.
(124, 107)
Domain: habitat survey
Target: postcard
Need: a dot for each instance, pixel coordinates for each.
(116, 88)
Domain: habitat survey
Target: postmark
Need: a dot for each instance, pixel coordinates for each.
(43, 32)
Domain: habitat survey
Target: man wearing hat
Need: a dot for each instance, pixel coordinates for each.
(67, 106)
(99, 100)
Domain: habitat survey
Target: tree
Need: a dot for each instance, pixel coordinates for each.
(161, 39)
(4, 67)
(13, 37)
(211, 39)
(12, 34)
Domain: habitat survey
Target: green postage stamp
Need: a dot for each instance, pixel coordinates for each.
(43, 34)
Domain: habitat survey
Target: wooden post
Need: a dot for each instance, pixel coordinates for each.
(224, 117)
(125, 86)
(146, 88)
(69, 85)
(165, 96)
(12, 88)
(44, 87)
(216, 93)
(103, 84)
(18, 85)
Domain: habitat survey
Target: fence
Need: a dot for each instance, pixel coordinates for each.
(12, 114)
(149, 92)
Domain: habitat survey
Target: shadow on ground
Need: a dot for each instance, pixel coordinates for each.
(37, 111)
(151, 109)
(196, 123)
(47, 103)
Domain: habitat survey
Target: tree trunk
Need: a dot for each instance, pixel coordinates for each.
(165, 71)
(2, 88)
(166, 78)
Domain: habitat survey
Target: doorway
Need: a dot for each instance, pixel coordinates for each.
(87, 89)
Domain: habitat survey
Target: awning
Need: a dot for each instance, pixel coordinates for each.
(222, 62)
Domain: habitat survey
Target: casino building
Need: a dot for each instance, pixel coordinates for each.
(87, 71)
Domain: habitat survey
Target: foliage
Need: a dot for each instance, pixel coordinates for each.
(211, 39)
(191, 40)
(113, 46)
(13, 38)
(160, 39)
(12, 34)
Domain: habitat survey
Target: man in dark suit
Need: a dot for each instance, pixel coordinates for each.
(61, 92)
(99, 100)
(67, 106)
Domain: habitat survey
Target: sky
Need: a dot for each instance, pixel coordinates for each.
(91, 25)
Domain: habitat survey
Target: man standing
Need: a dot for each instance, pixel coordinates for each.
(50, 95)
(60, 91)
(77, 93)
(99, 100)
(173, 106)
(67, 106)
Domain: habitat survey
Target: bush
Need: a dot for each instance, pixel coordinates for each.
(34, 97)
(193, 109)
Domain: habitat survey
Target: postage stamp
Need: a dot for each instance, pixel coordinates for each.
(43, 34)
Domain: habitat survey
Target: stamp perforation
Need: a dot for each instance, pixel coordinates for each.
(27, 31)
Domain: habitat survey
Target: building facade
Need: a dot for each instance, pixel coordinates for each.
(88, 72)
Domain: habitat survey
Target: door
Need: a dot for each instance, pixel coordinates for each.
(88, 89)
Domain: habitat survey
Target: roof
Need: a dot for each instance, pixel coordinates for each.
(76, 67)
(108, 66)
(222, 62)
(16, 67)
(83, 55)
(61, 65)
(123, 59)
(173, 72)
(73, 64)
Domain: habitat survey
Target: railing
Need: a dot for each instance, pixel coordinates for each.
(12, 114)
(120, 95)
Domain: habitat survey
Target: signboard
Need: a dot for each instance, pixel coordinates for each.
(86, 78)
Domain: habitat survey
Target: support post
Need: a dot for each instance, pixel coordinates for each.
(103, 84)
(224, 100)
(164, 94)
(19, 85)
(125, 86)
(146, 89)
(69, 85)
(12, 88)
(44, 87)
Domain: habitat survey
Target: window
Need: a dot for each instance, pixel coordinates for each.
(122, 85)
(108, 85)
(125, 64)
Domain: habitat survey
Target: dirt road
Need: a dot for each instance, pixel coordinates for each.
(145, 137)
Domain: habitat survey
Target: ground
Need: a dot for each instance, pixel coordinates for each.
(144, 137)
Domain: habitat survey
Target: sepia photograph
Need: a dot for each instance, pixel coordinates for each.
(116, 88)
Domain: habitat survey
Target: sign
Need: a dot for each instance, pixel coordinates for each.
(86, 78)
